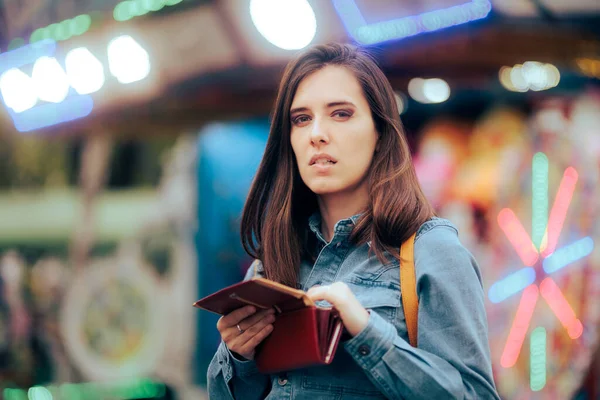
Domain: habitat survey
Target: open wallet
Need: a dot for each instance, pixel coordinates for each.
(303, 335)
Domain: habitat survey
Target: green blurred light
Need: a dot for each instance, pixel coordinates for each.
(539, 198)
(136, 8)
(70, 391)
(53, 390)
(121, 11)
(91, 391)
(129, 389)
(146, 4)
(16, 43)
(37, 35)
(156, 5)
(128, 9)
(82, 24)
(39, 393)
(63, 31)
(52, 30)
(149, 388)
(537, 359)
(14, 394)
(72, 24)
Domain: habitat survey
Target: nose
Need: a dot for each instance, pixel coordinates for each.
(319, 133)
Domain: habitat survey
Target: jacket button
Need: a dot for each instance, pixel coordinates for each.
(282, 380)
(364, 350)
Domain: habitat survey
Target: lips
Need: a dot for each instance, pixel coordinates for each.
(322, 159)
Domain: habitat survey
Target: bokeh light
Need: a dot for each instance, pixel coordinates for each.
(63, 30)
(18, 90)
(129, 62)
(288, 24)
(85, 71)
(50, 80)
(429, 91)
(531, 75)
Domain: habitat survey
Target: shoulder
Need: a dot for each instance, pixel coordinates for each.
(440, 228)
(439, 252)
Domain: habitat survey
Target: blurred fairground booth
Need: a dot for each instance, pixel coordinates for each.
(130, 132)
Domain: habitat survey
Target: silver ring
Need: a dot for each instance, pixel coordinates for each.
(240, 329)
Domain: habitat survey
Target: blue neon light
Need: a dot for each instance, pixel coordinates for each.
(409, 26)
(512, 284)
(26, 54)
(72, 108)
(568, 254)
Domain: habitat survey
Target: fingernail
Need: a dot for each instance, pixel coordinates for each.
(251, 309)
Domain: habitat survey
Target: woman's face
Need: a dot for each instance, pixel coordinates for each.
(332, 132)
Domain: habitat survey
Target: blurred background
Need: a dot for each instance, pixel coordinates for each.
(130, 132)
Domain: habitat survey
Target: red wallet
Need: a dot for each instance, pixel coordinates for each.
(304, 334)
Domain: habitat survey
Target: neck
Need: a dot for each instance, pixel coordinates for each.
(337, 206)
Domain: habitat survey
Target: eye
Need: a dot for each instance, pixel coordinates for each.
(342, 114)
(300, 119)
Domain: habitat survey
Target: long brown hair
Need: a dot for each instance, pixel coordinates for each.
(275, 216)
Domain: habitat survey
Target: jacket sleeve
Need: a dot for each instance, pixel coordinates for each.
(452, 360)
(230, 378)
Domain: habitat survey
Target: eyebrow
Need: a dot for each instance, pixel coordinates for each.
(329, 105)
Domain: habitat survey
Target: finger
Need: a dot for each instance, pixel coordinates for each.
(320, 293)
(234, 317)
(240, 340)
(230, 333)
(337, 294)
(246, 323)
(251, 344)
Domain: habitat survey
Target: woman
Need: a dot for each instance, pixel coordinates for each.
(333, 199)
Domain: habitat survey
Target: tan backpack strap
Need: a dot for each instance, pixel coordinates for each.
(408, 285)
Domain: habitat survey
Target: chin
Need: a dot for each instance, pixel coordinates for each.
(323, 191)
(322, 188)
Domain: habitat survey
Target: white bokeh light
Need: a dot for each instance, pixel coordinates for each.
(536, 75)
(429, 91)
(531, 75)
(288, 24)
(127, 59)
(415, 89)
(401, 102)
(18, 90)
(85, 72)
(436, 90)
(50, 80)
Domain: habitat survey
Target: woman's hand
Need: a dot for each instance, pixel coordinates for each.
(352, 313)
(243, 329)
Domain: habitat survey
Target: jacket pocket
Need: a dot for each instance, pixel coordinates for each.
(381, 296)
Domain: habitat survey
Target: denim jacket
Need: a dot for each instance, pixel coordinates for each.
(452, 360)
